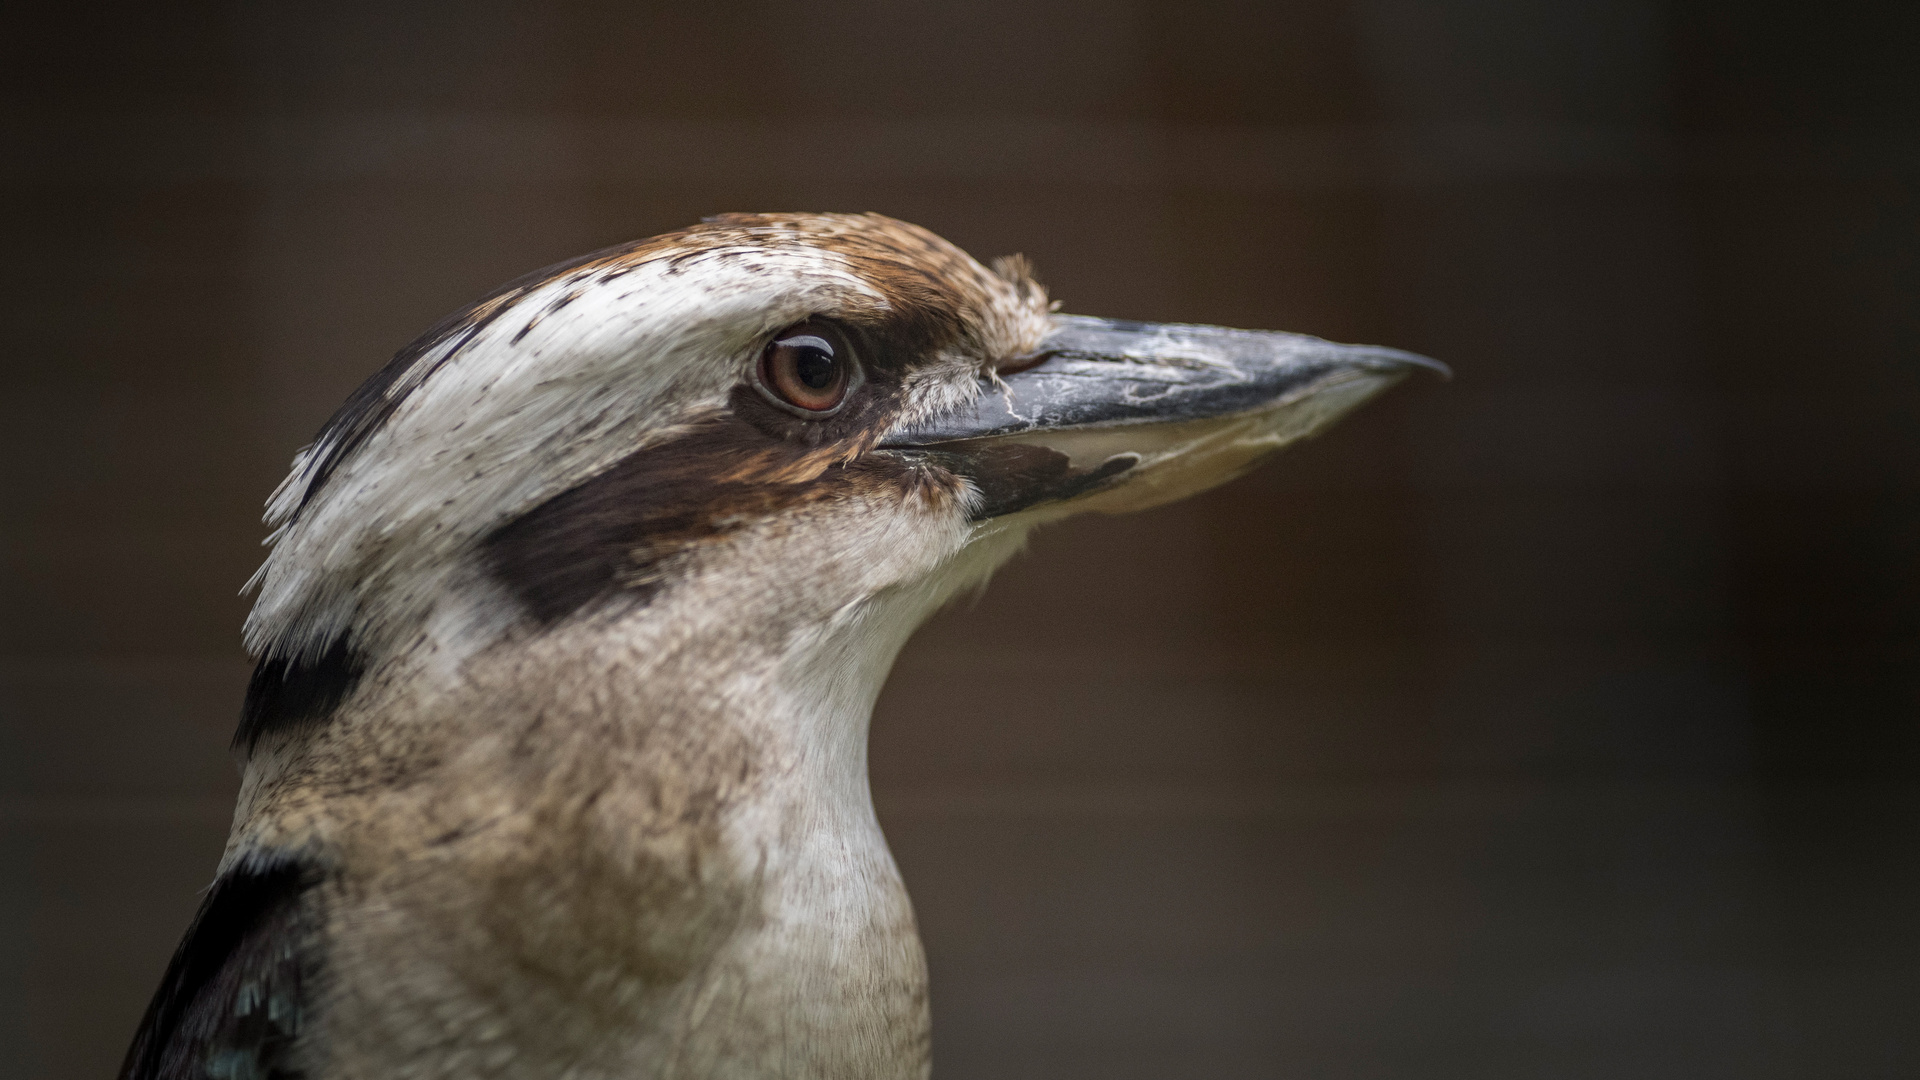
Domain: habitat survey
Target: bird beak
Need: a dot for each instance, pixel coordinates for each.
(1118, 416)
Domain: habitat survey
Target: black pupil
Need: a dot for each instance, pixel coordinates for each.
(814, 366)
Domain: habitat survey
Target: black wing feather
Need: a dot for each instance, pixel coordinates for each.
(230, 1005)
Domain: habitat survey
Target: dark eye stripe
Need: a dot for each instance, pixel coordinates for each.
(618, 531)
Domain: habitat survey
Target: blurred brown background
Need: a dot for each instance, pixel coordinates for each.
(1556, 722)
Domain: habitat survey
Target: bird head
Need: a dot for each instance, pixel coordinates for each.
(789, 433)
(575, 616)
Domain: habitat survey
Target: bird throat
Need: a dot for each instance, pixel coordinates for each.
(658, 821)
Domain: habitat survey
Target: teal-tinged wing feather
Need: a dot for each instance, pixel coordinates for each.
(232, 1003)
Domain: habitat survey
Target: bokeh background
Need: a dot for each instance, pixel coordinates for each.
(1556, 722)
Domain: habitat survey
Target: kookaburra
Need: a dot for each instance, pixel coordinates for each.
(555, 753)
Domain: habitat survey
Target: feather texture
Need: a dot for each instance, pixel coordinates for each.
(232, 1001)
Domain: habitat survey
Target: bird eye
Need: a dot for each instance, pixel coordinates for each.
(808, 368)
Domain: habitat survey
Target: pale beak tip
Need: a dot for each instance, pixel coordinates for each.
(1399, 359)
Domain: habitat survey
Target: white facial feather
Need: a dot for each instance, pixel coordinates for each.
(579, 372)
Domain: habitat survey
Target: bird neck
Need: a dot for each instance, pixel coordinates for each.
(657, 816)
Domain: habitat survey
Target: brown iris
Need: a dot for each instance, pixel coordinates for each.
(809, 368)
